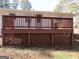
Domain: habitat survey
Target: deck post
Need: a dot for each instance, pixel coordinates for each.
(29, 31)
(29, 23)
(52, 39)
(28, 39)
(3, 42)
(72, 32)
(52, 32)
(3, 18)
(12, 34)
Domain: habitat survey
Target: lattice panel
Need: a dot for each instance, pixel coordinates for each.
(21, 39)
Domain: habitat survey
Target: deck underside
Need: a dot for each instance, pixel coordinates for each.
(37, 39)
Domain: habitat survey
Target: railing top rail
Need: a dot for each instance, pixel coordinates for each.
(37, 17)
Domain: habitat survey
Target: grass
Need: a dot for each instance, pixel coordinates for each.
(65, 55)
(38, 53)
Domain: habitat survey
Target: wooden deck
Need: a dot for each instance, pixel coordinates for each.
(37, 30)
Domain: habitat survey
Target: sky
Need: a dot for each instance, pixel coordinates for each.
(44, 5)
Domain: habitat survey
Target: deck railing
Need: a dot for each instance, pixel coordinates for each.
(33, 22)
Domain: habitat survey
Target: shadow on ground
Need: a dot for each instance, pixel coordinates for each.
(20, 52)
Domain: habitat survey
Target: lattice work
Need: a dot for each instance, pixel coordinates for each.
(8, 39)
(21, 39)
(15, 39)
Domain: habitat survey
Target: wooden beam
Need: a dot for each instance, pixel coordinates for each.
(28, 39)
(3, 42)
(72, 32)
(12, 19)
(52, 40)
(38, 17)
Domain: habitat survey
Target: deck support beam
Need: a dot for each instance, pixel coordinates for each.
(28, 39)
(52, 40)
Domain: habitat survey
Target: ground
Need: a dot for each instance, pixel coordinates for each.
(40, 52)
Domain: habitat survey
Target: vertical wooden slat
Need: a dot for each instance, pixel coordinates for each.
(19, 22)
(29, 23)
(52, 23)
(15, 22)
(24, 22)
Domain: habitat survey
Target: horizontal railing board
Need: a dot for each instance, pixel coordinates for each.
(36, 17)
(37, 31)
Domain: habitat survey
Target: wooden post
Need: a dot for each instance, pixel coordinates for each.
(12, 19)
(52, 40)
(3, 42)
(72, 31)
(28, 39)
(3, 18)
(29, 23)
(29, 32)
(52, 32)
(12, 26)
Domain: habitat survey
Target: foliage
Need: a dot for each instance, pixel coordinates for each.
(67, 6)
(13, 4)
(72, 7)
(25, 4)
(58, 9)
